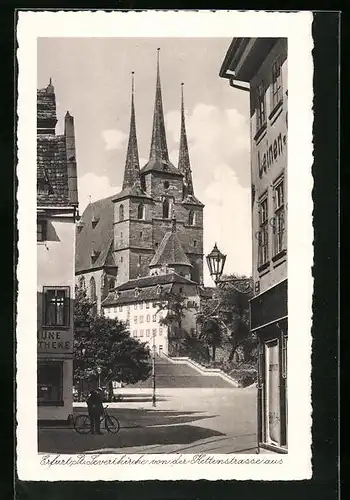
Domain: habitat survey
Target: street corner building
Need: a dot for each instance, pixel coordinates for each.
(259, 65)
(57, 208)
(148, 236)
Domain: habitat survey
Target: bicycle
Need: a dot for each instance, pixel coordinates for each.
(83, 424)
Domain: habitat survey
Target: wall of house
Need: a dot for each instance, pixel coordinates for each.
(270, 147)
(143, 319)
(55, 268)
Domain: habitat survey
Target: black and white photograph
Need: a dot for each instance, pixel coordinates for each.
(163, 338)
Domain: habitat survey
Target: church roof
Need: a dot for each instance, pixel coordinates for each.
(132, 166)
(160, 279)
(159, 156)
(190, 199)
(95, 237)
(184, 157)
(170, 251)
(148, 289)
(134, 191)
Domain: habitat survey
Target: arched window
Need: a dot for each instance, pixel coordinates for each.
(121, 212)
(166, 209)
(82, 284)
(191, 218)
(111, 284)
(92, 289)
(141, 211)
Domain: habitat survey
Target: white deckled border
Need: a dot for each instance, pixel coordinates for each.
(297, 28)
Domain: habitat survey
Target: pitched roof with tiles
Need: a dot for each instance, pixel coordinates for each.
(159, 279)
(170, 251)
(46, 103)
(52, 168)
(148, 288)
(95, 234)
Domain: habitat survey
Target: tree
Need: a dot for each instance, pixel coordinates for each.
(106, 343)
(175, 306)
(225, 318)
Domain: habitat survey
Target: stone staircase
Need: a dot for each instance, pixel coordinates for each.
(185, 373)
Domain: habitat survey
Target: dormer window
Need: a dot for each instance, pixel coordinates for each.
(94, 221)
(94, 255)
(137, 292)
(43, 187)
(159, 289)
(80, 225)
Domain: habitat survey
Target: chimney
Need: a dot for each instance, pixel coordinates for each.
(71, 160)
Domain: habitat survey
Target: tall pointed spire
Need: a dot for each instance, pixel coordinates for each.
(159, 148)
(184, 158)
(132, 165)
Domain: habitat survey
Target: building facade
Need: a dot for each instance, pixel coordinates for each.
(57, 208)
(118, 237)
(259, 65)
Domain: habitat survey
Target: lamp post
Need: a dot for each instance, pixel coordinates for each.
(154, 371)
(82, 353)
(216, 262)
(99, 370)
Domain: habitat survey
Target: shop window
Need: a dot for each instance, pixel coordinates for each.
(56, 306)
(121, 213)
(279, 220)
(166, 209)
(50, 383)
(277, 89)
(263, 240)
(141, 211)
(41, 230)
(260, 106)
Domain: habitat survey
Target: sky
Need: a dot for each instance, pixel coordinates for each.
(92, 80)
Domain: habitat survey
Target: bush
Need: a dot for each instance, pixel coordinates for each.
(245, 375)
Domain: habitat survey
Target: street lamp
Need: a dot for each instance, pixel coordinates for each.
(154, 370)
(99, 370)
(216, 262)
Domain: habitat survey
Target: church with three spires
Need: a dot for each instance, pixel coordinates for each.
(149, 236)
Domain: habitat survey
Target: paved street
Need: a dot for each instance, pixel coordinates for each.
(184, 421)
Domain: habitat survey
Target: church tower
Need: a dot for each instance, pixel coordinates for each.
(191, 235)
(153, 197)
(132, 214)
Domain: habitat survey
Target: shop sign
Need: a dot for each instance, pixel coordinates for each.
(55, 341)
(274, 148)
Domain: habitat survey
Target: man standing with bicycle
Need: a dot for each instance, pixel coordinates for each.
(96, 410)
